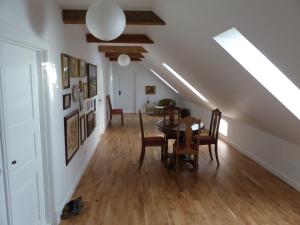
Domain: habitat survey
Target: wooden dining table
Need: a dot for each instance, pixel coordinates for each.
(171, 128)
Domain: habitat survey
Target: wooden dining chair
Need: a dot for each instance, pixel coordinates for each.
(171, 116)
(213, 134)
(149, 142)
(114, 111)
(187, 146)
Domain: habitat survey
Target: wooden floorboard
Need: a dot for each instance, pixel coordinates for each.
(116, 192)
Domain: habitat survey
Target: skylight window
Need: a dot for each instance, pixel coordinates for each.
(164, 81)
(261, 68)
(223, 127)
(184, 82)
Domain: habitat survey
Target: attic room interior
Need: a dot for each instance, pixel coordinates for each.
(149, 112)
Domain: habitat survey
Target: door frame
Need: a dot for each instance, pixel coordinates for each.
(11, 35)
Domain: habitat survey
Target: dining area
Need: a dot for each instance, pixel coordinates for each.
(180, 139)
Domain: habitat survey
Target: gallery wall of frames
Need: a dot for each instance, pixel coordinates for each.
(79, 81)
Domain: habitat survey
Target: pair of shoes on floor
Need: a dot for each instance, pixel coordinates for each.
(72, 208)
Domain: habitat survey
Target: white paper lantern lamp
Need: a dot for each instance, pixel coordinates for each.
(105, 20)
(124, 60)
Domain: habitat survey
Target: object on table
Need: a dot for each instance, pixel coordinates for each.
(72, 208)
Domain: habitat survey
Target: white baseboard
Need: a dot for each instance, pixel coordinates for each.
(267, 166)
(74, 186)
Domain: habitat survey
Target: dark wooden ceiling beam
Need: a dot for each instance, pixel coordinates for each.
(122, 49)
(124, 38)
(132, 17)
(131, 59)
(131, 55)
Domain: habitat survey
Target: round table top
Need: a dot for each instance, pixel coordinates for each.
(170, 128)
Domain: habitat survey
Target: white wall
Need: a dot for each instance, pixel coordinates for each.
(3, 216)
(39, 23)
(144, 77)
(277, 155)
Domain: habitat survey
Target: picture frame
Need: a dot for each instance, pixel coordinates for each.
(71, 129)
(80, 86)
(88, 105)
(65, 71)
(92, 80)
(73, 67)
(82, 129)
(150, 90)
(66, 101)
(90, 123)
(95, 107)
(80, 103)
(81, 68)
(85, 90)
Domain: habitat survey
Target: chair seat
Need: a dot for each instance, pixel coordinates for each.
(205, 140)
(182, 149)
(154, 141)
(117, 111)
(171, 136)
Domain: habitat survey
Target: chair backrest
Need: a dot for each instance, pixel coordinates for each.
(141, 124)
(188, 122)
(215, 123)
(109, 103)
(172, 113)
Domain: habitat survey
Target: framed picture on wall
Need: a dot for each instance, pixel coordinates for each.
(95, 107)
(73, 67)
(92, 80)
(90, 123)
(65, 71)
(82, 129)
(71, 123)
(150, 90)
(81, 68)
(85, 90)
(66, 101)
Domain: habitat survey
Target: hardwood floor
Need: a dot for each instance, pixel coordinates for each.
(116, 192)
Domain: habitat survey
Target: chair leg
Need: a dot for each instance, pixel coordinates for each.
(122, 119)
(166, 150)
(196, 158)
(216, 152)
(209, 148)
(162, 153)
(110, 118)
(142, 156)
(177, 165)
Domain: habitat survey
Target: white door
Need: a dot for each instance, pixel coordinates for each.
(3, 213)
(126, 92)
(22, 143)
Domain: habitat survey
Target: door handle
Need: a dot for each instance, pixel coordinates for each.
(14, 162)
(120, 92)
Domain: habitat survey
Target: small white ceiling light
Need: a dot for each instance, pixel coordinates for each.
(184, 82)
(105, 20)
(124, 60)
(164, 81)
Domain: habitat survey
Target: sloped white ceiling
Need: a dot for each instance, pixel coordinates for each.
(186, 43)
